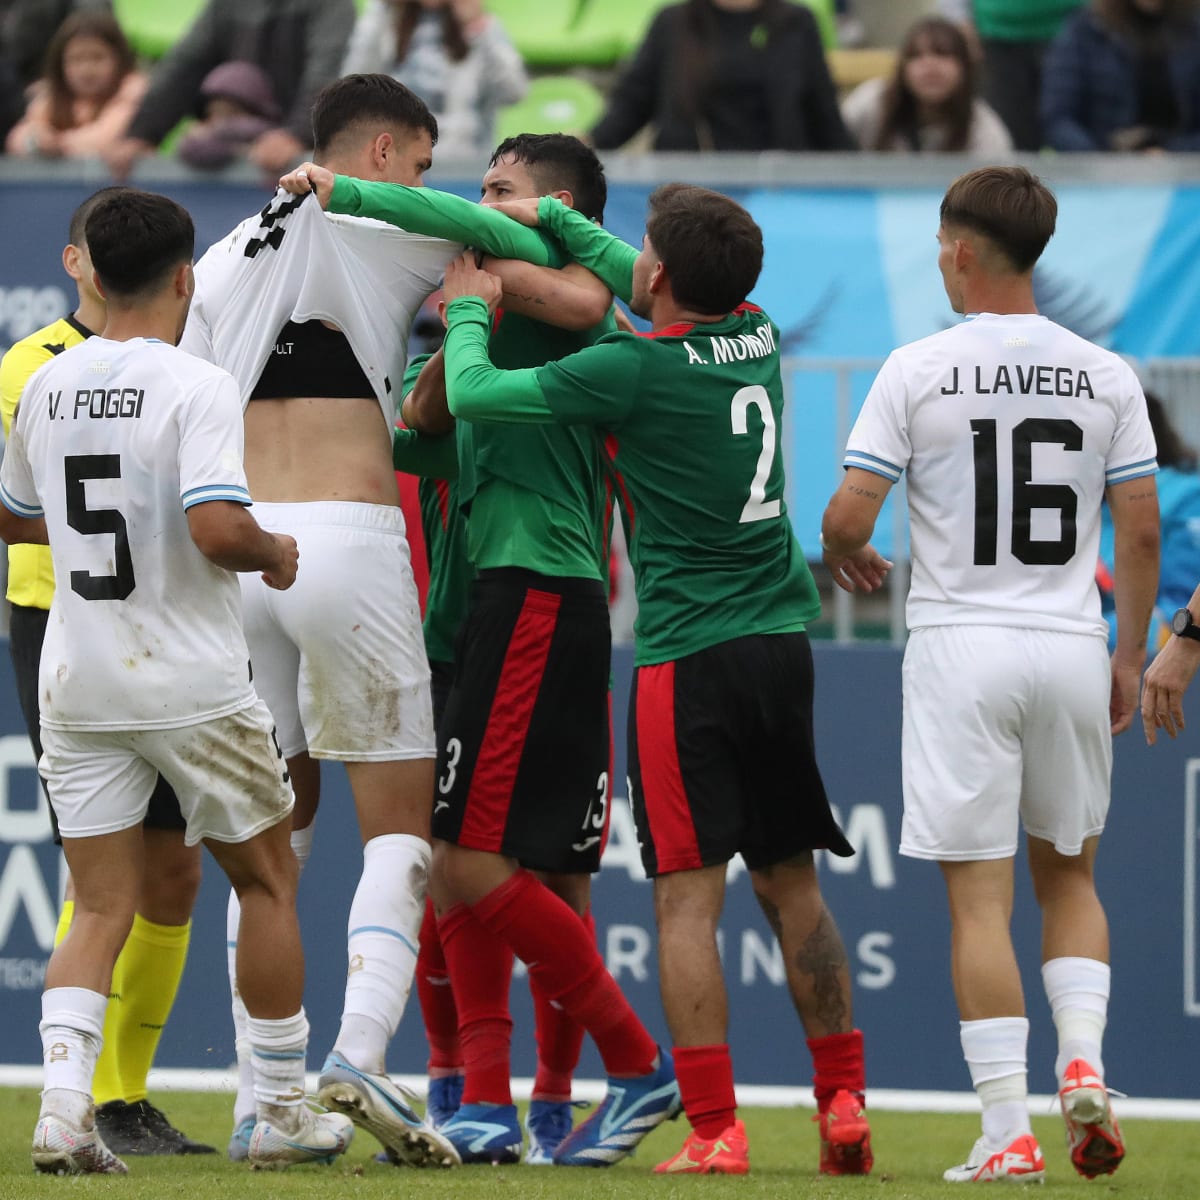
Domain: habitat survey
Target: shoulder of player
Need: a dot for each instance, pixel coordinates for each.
(40, 346)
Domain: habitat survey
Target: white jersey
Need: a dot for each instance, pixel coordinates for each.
(113, 442)
(1010, 429)
(293, 262)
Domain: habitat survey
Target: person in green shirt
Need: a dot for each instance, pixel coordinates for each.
(720, 721)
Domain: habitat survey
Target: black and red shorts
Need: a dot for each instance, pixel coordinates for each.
(721, 757)
(523, 742)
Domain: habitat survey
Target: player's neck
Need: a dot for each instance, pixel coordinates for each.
(665, 311)
(91, 314)
(154, 319)
(1008, 296)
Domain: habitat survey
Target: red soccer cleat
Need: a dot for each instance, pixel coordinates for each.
(1093, 1135)
(845, 1136)
(728, 1154)
(1020, 1161)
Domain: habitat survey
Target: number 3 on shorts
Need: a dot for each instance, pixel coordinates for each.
(453, 754)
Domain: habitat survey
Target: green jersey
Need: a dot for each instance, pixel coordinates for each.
(694, 418)
(444, 527)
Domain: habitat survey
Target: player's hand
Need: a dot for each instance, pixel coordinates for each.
(1164, 684)
(308, 177)
(1123, 696)
(282, 575)
(464, 278)
(863, 571)
(525, 211)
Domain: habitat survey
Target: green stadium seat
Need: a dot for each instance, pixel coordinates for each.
(543, 31)
(613, 29)
(154, 26)
(554, 104)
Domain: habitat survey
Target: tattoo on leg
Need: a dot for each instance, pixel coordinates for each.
(823, 956)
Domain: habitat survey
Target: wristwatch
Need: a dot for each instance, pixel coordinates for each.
(1183, 625)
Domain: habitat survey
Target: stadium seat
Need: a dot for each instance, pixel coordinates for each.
(554, 104)
(154, 26)
(613, 29)
(544, 32)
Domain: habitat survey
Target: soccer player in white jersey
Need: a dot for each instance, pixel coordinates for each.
(1013, 431)
(126, 456)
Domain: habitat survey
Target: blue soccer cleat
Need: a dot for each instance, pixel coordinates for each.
(630, 1109)
(485, 1133)
(547, 1122)
(443, 1099)
(385, 1110)
(239, 1139)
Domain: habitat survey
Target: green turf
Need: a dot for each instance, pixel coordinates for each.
(910, 1153)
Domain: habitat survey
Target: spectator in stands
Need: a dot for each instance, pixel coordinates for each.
(27, 27)
(1179, 515)
(298, 43)
(237, 108)
(728, 75)
(1012, 36)
(455, 56)
(87, 95)
(930, 101)
(1125, 75)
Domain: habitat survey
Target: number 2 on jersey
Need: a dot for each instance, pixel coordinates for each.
(1026, 495)
(77, 468)
(757, 507)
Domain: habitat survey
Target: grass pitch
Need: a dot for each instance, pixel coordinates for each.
(911, 1150)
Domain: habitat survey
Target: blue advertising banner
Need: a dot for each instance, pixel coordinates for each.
(891, 912)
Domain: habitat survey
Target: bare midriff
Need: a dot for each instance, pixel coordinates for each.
(312, 448)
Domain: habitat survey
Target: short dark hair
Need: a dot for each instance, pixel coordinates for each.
(136, 238)
(1010, 206)
(559, 161)
(709, 244)
(356, 100)
(75, 230)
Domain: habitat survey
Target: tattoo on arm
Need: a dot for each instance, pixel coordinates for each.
(527, 298)
(854, 490)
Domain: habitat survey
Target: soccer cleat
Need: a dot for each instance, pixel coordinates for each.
(845, 1136)
(547, 1122)
(1093, 1135)
(443, 1099)
(726, 1154)
(162, 1133)
(61, 1148)
(485, 1133)
(1020, 1161)
(385, 1110)
(239, 1140)
(318, 1138)
(631, 1108)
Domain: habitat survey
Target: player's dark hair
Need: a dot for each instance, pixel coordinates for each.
(558, 162)
(75, 234)
(136, 239)
(710, 246)
(359, 100)
(1010, 206)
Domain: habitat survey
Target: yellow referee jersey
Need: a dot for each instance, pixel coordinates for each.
(30, 568)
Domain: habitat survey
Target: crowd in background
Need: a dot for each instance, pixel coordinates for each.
(977, 76)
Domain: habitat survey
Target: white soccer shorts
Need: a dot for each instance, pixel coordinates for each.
(228, 773)
(340, 657)
(1003, 727)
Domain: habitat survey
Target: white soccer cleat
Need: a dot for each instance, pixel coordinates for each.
(385, 1110)
(61, 1148)
(318, 1138)
(1020, 1161)
(1093, 1135)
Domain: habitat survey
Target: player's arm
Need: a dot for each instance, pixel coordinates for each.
(17, 529)
(21, 518)
(569, 298)
(421, 210)
(846, 530)
(424, 407)
(430, 457)
(228, 536)
(1167, 679)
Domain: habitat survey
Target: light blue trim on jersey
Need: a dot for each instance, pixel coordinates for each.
(215, 491)
(14, 505)
(1137, 470)
(868, 462)
(384, 929)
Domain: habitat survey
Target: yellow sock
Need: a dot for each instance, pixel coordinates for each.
(148, 974)
(64, 921)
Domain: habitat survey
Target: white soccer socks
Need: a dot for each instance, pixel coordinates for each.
(995, 1051)
(1077, 989)
(278, 1050)
(72, 1029)
(384, 934)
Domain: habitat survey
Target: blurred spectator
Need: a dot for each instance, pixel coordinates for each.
(1179, 511)
(1125, 75)
(27, 27)
(455, 56)
(930, 102)
(728, 75)
(298, 43)
(1013, 36)
(236, 109)
(87, 96)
